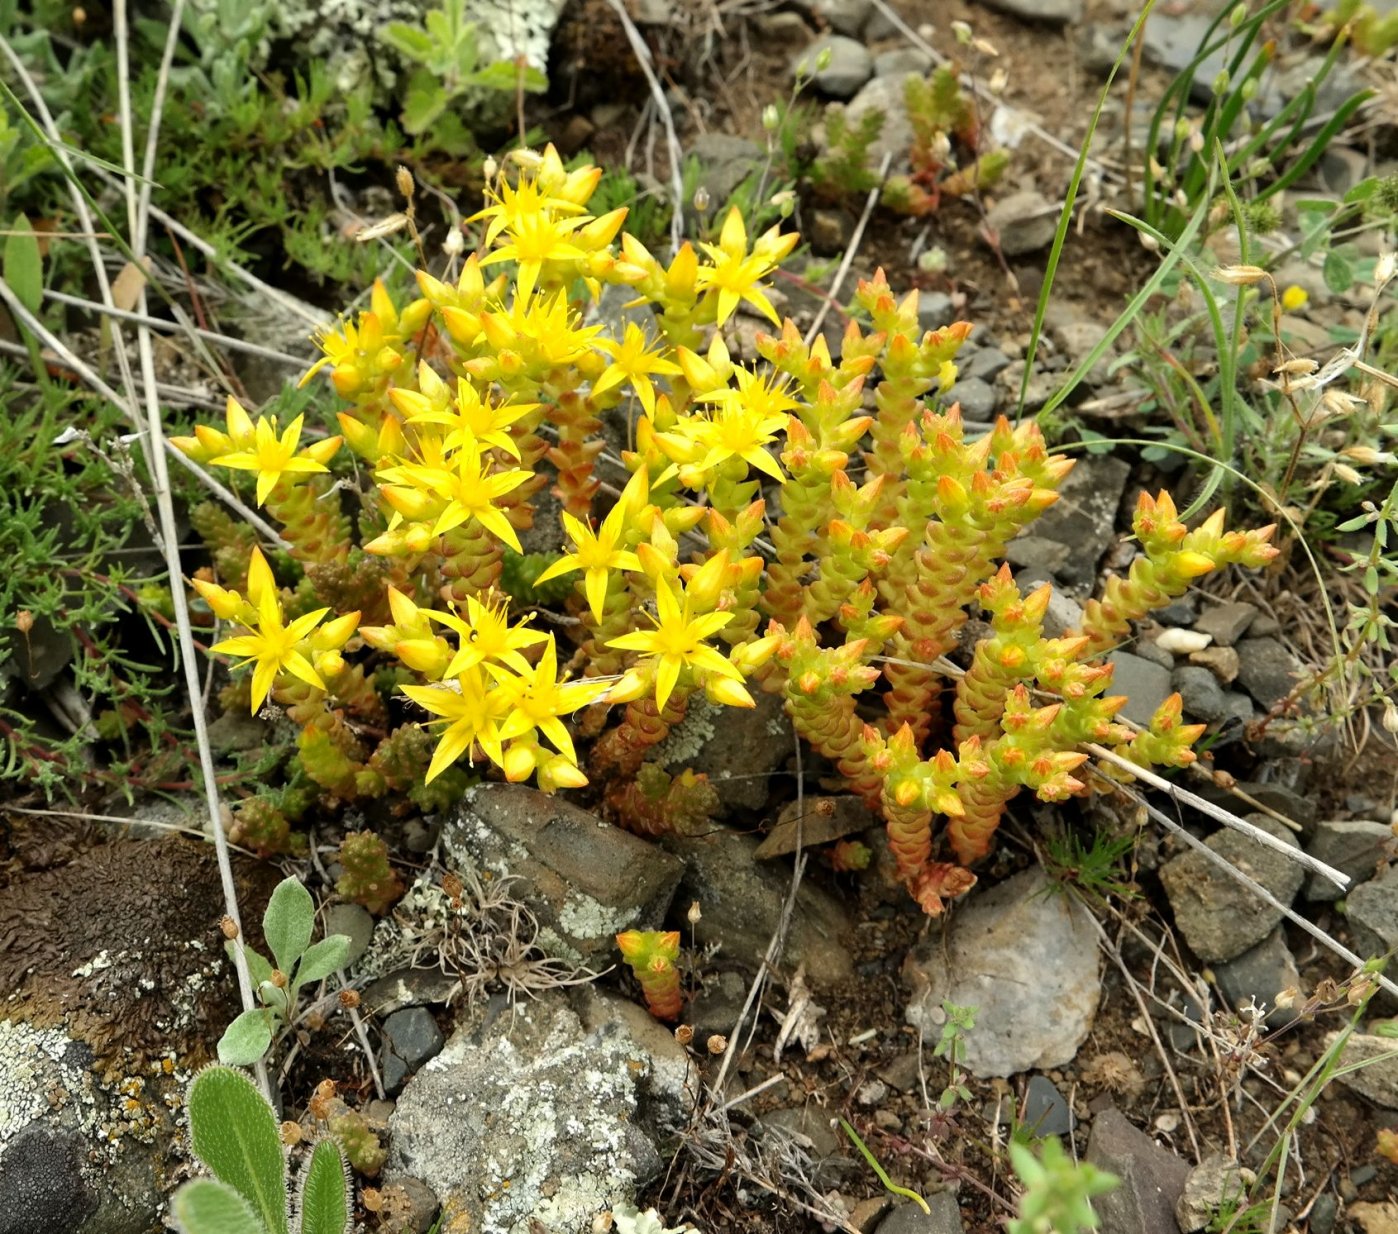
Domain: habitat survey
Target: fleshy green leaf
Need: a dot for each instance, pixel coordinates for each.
(245, 1040)
(1338, 272)
(324, 1203)
(234, 1132)
(23, 267)
(323, 958)
(504, 74)
(204, 1206)
(287, 923)
(410, 41)
(424, 102)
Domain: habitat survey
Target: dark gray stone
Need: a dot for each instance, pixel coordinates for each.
(1026, 956)
(987, 363)
(409, 987)
(1181, 612)
(843, 16)
(901, 61)
(1084, 516)
(742, 901)
(1266, 669)
(584, 879)
(1152, 1178)
(422, 1201)
(934, 310)
(944, 1218)
(977, 398)
(1023, 222)
(42, 1185)
(1378, 1078)
(1260, 974)
(716, 1008)
(1045, 1110)
(353, 921)
(725, 161)
(1050, 12)
(1219, 918)
(1372, 910)
(1146, 685)
(738, 748)
(810, 1127)
(1202, 695)
(1150, 650)
(411, 1037)
(1227, 622)
(1039, 554)
(1354, 847)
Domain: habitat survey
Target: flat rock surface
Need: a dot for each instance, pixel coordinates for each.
(1219, 918)
(1152, 1177)
(1026, 957)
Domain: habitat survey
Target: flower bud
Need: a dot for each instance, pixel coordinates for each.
(771, 117)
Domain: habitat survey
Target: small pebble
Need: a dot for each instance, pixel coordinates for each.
(1182, 642)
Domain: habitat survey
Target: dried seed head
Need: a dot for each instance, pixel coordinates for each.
(79, 16)
(403, 178)
(372, 1199)
(684, 1034)
(349, 999)
(1390, 715)
(291, 1134)
(229, 928)
(279, 979)
(1240, 276)
(701, 200)
(695, 915)
(322, 1100)
(24, 621)
(716, 1044)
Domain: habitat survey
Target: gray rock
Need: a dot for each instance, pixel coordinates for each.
(1039, 554)
(422, 1201)
(1354, 847)
(1378, 1078)
(1203, 696)
(741, 901)
(716, 1008)
(410, 987)
(738, 748)
(1372, 911)
(1266, 669)
(1050, 12)
(885, 95)
(75, 1158)
(1259, 975)
(945, 1217)
(1219, 918)
(1084, 516)
(1227, 622)
(1172, 40)
(1077, 337)
(850, 65)
(813, 820)
(724, 162)
(934, 310)
(987, 363)
(828, 231)
(902, 61)
(1148, 649)
(1152, 1177)
(568, 1112)
(1214, 1183)
(1325, 1208)
(1023, 222)
(1146, 685)
(236, 731)
(411, 1037)
(584, 879)
(843, 16)
(1222, 662)
(978, 398)
(355, 922)
(1027, 958)
(809, 1126)
(1181, 612)
(1045, 1110)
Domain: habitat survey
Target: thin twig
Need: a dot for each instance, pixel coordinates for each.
(850, 249)
(160, 475)
(643, 58)
(68, 358)
(1226, 817)
(174, 327)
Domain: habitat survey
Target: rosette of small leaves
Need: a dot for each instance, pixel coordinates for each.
(233, 1132)
(296, 963)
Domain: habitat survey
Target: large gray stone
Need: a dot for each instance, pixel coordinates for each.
(1377, 1079)
(542, 1115)
(850, 65)
(1354, 847)
(886, 95)
(1050, 12)
(1200, 692)
(1145, 684)
(1266, 669)
(1026, 957)
(944, 1217)
(1372, 911)
(741, 903)
(738, 748)
(1259, 975)
(1152, 1178)
(1220, 918)
(1226, 622)
(1023, 222)
(584, 879)
(843, 16)
(1084, 516)
(411, 1037)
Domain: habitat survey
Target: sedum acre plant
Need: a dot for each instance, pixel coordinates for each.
(775, 528)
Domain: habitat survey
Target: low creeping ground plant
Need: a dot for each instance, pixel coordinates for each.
(775, 527)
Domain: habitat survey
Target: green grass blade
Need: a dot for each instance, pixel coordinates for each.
(874, 1165)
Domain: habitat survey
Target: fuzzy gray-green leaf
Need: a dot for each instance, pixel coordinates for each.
(234, 1133)
(324, 1206)
(323, 959)
(287, 923)
(245, 1040)
(204, 1206)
